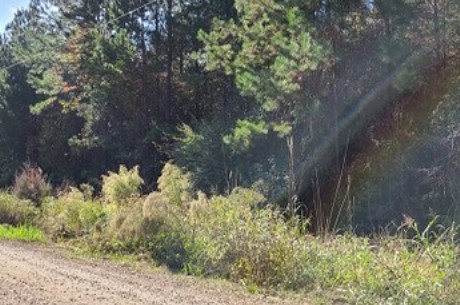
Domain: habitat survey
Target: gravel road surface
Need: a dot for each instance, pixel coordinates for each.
(32, 274)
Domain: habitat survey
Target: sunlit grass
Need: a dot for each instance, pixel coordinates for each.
(22, 233)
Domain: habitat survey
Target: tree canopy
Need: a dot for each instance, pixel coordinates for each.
(263, 93)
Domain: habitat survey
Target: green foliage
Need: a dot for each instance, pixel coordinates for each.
(15, 211)
(87, 83)
(231, 237)
(175, 184)
(268, 50)
(119, 188)
(71, 215)
(217, 166)
(22, 233)
(234, 237)
(379, 276)
(154, 224)
(138, 221)
(244, 133)
(202, 153)
(283, 129)
(168, 239)
(261, 248)
(31, 184)
(125, 223)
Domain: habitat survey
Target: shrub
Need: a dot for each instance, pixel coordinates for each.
(31, 184)
(119, 187)
(174, 184)
(168, 230)
(203, 153)
(15, 211)
(217, 166)
(126, 223)
(70, 215)
(231, 237)
(152, 224)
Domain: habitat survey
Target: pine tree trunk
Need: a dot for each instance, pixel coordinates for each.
(170, 58)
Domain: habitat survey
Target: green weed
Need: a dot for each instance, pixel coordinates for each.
(71, 215)
(22, 233)
(119, 188)
(15, 211)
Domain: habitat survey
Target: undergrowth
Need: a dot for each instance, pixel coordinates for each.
(22, 233)
(232, 237)
(15, 211)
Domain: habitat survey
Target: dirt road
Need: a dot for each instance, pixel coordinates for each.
(39, 275)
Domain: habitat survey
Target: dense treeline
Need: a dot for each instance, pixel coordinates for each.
(262, 93)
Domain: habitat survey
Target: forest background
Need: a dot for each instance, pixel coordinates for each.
(321, 106)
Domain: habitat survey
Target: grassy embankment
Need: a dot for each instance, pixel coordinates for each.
(231, 237)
